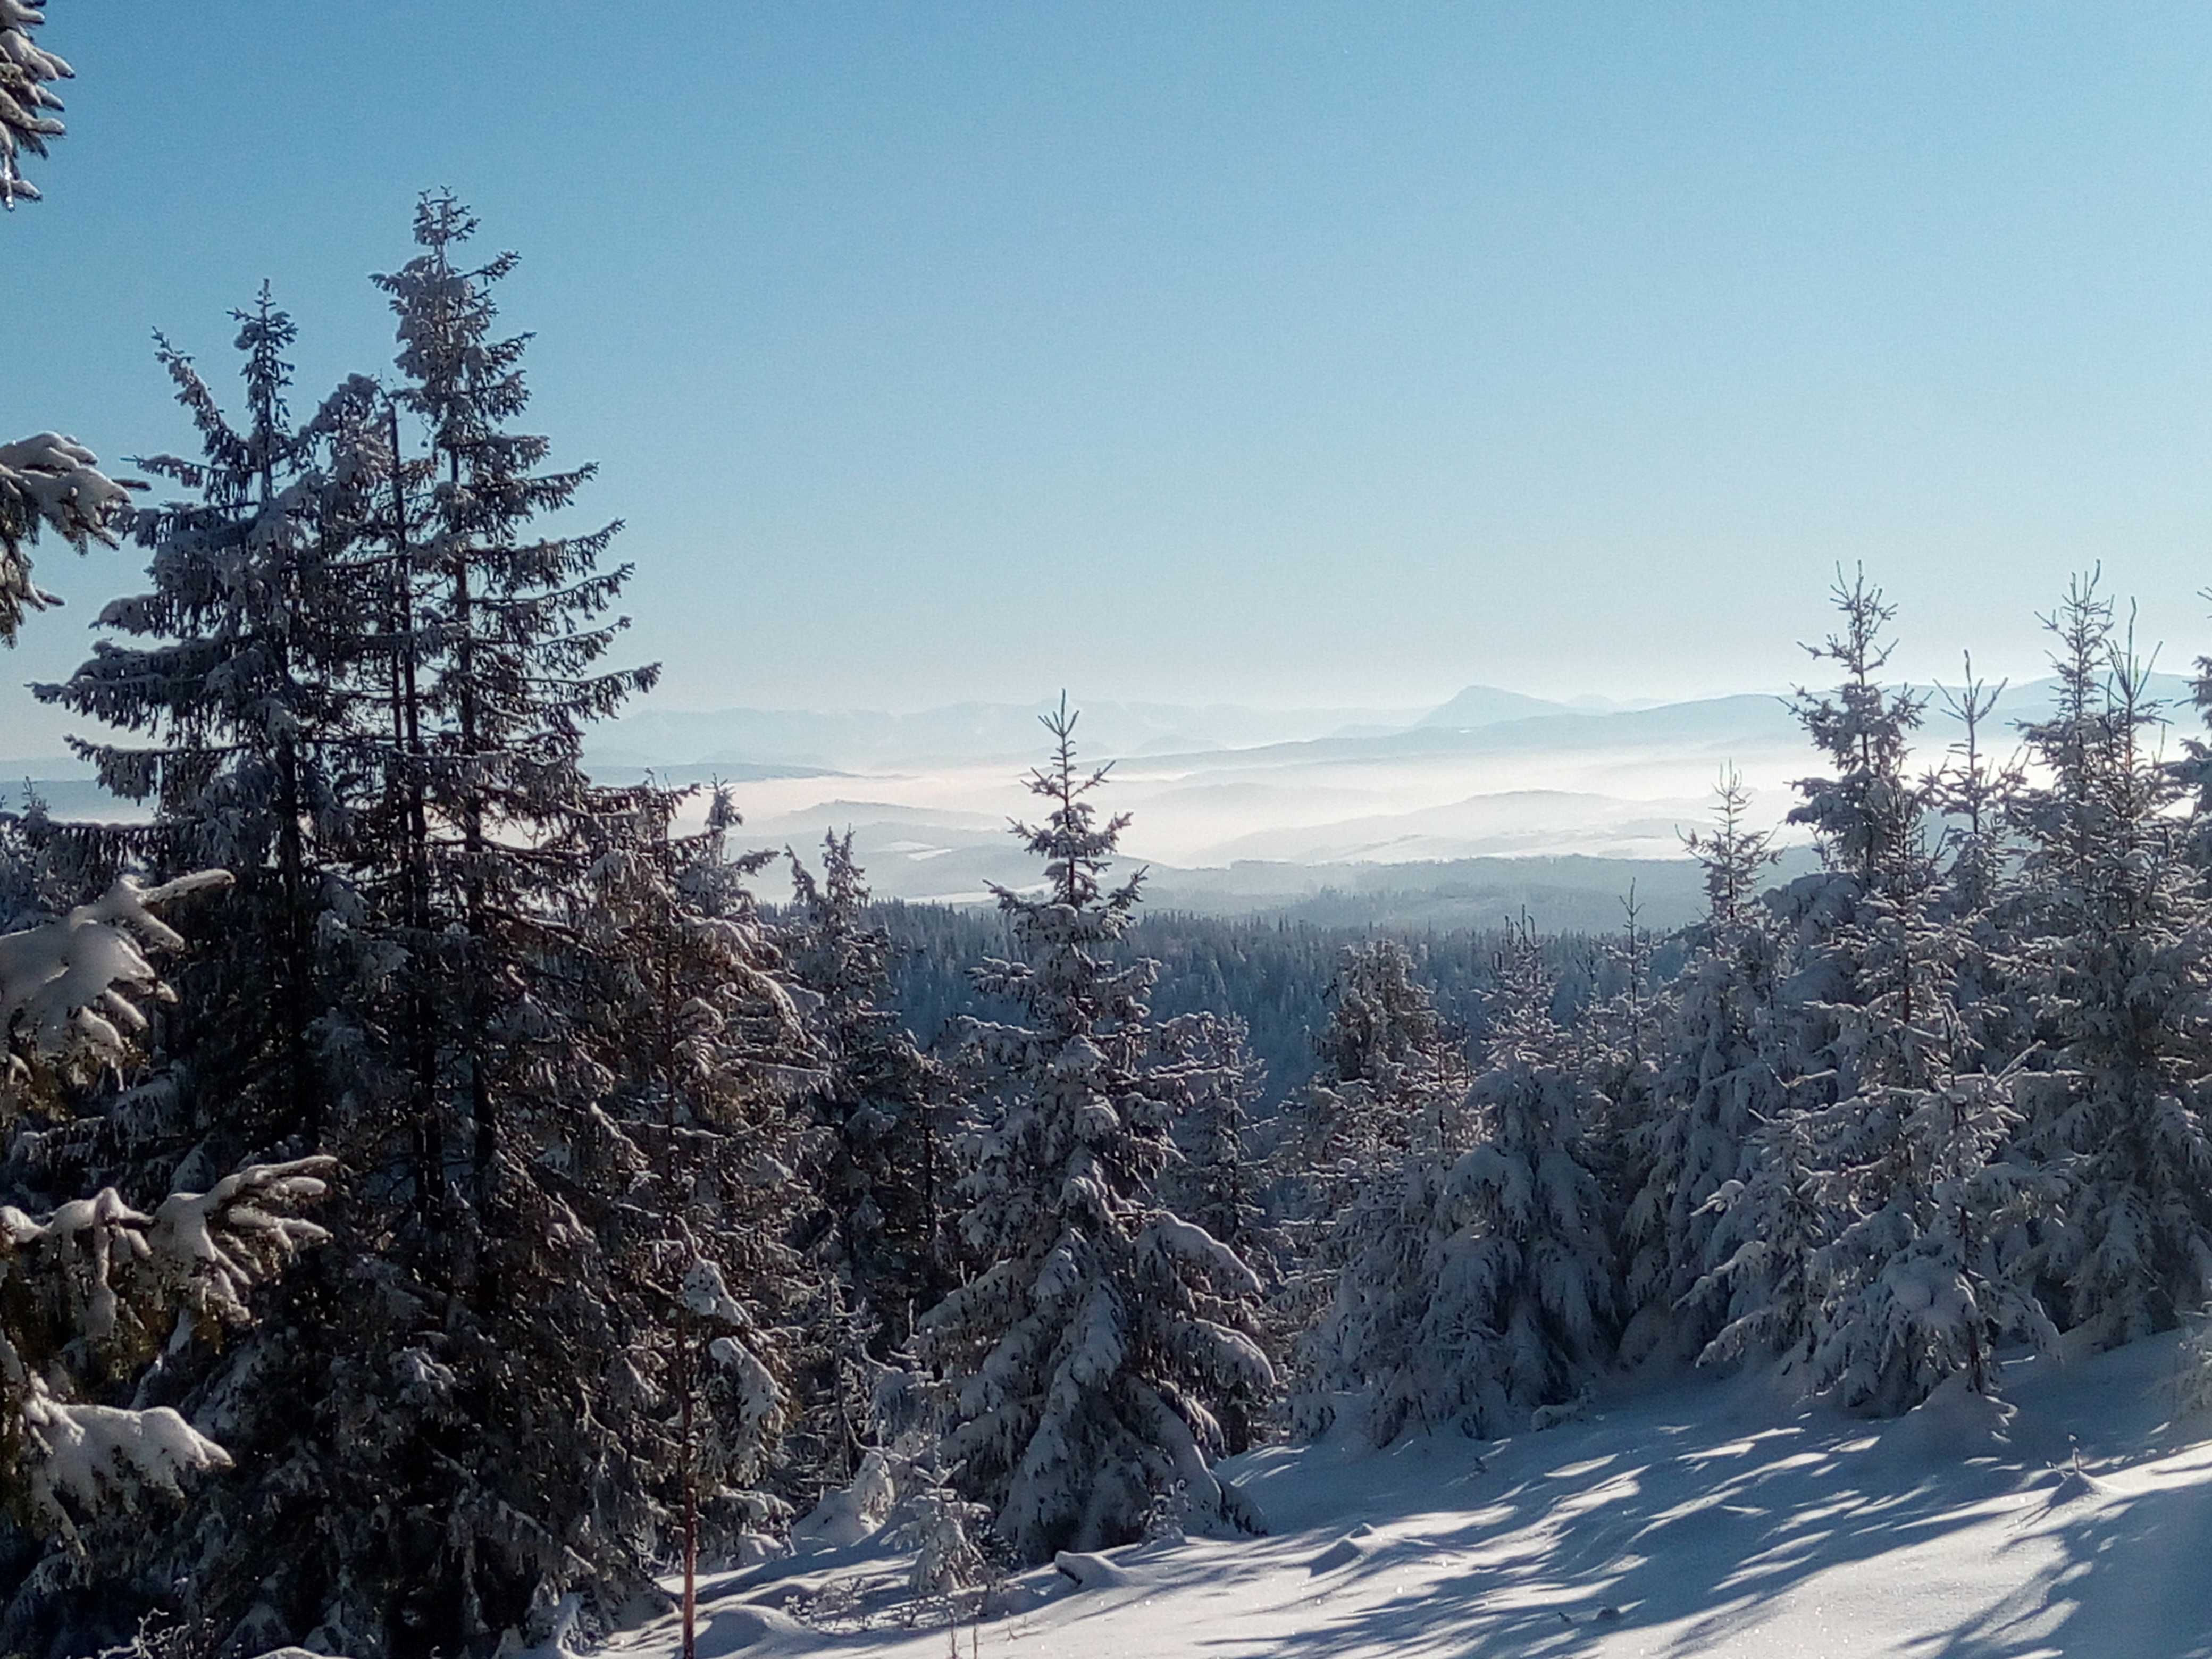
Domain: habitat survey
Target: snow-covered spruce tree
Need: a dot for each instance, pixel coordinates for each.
(942, 1528)
(258, 618)
(500, 1036)
(1392, 1077)
(94, 1287)
(242, 689)
(349, 1403)
(1919, 1287)
(518, 619)
(1864, 814)
(1974, 791)
(1866, 808)
(2122, 926)
(1619, 1028)
(689, 1171)
(1365, 1365)
(443, 1465)
(1482, 1290)
(1080, 1363)
(1719, 1081)
(1868, 1251)
(51, 482)
(1218, 1181)
(1361, 1178)
(1382, 1020)
(1525, 1302)
(1768, 1229)
(1914, 1285)
(442, 1421)
(892, 1110)
(1617, 1040)
(482, 833)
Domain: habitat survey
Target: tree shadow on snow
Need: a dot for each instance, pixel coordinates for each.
(1706, 1528)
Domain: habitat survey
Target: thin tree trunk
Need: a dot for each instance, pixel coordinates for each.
(307, 1104)
(687, 1366)
(475, 1001)
(407, 718)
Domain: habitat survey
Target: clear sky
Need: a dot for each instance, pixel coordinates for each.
(1268, 353)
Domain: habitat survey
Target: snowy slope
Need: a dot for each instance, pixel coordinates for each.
(1702, 1519)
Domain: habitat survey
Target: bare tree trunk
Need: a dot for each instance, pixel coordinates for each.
(430, 1134)
(686, 1365)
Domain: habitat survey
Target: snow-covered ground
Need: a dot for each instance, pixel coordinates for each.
(1698, 1518)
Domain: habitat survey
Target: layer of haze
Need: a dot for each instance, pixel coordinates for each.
(1276, 354)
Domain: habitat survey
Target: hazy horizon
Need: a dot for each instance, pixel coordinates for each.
(1325, 363)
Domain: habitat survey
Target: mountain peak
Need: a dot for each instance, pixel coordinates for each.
(1486, 705)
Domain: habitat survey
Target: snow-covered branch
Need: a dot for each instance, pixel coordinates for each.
(30, 110)
(48, 481)
(93, 1290)
(67, 985)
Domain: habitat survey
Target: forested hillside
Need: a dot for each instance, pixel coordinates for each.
(445, 1211)
(1273, 975)
(490, 1208)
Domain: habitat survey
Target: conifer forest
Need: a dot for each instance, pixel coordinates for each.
(453, 1205)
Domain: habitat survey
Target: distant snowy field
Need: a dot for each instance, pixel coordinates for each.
(1701, 1518)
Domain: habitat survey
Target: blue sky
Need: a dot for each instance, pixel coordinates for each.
(1278, 354)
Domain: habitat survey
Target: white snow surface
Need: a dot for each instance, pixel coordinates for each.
(1698, 1517)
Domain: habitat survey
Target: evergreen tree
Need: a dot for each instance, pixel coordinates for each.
(1616, 1041)
(1768, 1230)
(513, 677)
(1525, 1303)
(890, 1109)
(1866, 810)
(51, 482)
(1974, 793)
(1367, 1362)
(1364, 1162)
(1392, 1078)
(1620, 1026)
(1218, 1183)
(1913, 1288)
(1762, 1274)
(1482, 1291)
(1080, 1363)
(258, 612)
(466, 1405)
(688, 1165)
(46, 480)
(1719, 1083)
(1866, 1246)
(1917, 1286)
(2120, 970)
(93, 1290)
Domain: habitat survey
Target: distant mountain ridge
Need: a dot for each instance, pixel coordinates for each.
(1486, 705)
(836, 739)
(748, 744)
(1490, 801)
(956, 732)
